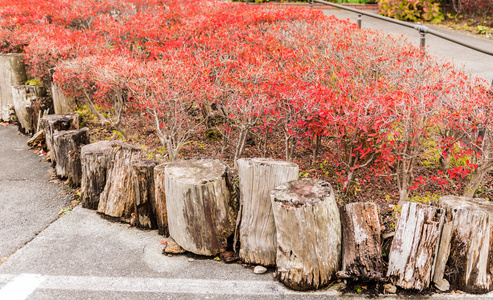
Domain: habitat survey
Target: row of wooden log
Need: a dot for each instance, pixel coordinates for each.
(297, 227)
(29, 103)
(279, 220)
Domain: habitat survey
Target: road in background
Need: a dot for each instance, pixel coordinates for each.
(477, 63)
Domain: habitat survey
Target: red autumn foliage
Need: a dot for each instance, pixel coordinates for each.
(378, 105)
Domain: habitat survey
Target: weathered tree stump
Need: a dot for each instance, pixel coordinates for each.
(24, 96)
(115, 200)
(51, 124)
(308, 229)
(258, 242)
(159, 205)
(415, 246)
(200, 204)
(12, 73)
(61, 103)
(361, 242)
(94, 159)
(67, 146)
(440, 282)
(469, 265)
(40, 107)
(142, 192)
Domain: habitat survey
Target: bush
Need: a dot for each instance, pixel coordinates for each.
(283, 76)
(412, 10)
(474, 8)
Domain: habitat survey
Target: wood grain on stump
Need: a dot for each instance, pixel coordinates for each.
(62, 104)
(469, 266)
(52, 124)
(361, 242)
(94, 160)
(308, 229)
(415, 245)
(40, 107)
(24, 98)
(67, 146)
(115, 200)
(12, 73)
(439, 280)
(200, 205)
(142, 192)
(258, 176)
(159, 205)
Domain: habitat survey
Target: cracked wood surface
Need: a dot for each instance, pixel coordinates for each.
(308, 231)
(257, 231)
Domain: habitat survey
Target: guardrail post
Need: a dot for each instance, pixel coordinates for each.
(359, 19)
(422, 30)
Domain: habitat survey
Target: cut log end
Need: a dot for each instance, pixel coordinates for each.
(195, 171)
(142, 190)
(25, 98)
(466, 246)
(67, 145)
(115, 200)
(361, 242)
(12, 73)
(159, 205)
(94, 159)
(200, 207)
(415, 246)
(257, 231)
(308, 233)
(52, 124)
(302, 192)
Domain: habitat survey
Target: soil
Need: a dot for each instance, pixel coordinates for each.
(379, 189)
(477, 28)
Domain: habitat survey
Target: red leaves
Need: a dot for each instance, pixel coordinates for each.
(294, 72)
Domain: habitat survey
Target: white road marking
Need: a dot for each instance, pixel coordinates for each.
(153, 285)
(21, 287)
(4, 278)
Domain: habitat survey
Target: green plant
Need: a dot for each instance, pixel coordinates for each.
(482, 29)
(118, 134)
(428, 198)
(64, 211)
(35, 82)
(481, 192)
(86, 117)
(412, 10)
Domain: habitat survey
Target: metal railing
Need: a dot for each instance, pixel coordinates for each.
(422, 29)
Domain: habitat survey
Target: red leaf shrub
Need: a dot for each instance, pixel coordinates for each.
(472, 7)
(375, 102)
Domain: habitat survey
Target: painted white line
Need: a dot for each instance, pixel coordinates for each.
(166, 285)
(21, 287)
(4, 278)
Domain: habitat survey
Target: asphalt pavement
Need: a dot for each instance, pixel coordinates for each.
(82, 256)
(28, 202)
